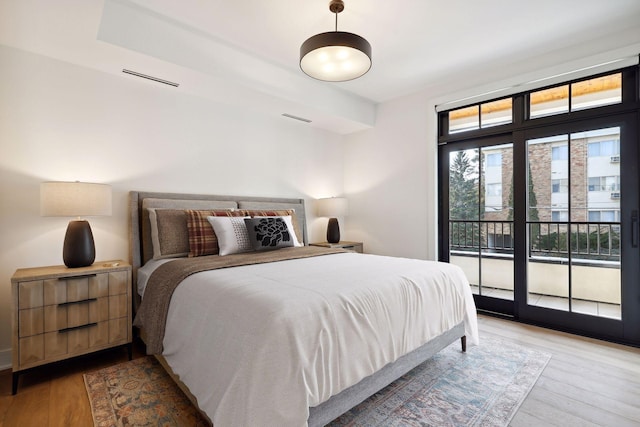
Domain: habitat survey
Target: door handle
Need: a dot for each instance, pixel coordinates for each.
(634, 229)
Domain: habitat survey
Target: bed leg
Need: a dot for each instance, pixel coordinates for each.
(463, 342)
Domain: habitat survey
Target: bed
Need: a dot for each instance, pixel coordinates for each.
(294, 336)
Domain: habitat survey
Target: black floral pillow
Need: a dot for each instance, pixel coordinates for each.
(268, 233)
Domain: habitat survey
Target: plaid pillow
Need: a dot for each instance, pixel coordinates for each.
(202, 239)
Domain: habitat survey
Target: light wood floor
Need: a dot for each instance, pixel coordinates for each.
(586, 383)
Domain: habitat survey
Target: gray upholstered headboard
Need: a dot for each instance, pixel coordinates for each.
(140, 246)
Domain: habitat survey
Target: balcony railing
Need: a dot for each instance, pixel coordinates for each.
(588, 241)
(496, 236)
(581, 240)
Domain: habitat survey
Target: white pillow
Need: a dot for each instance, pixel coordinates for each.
(292, 231)
(232, 234)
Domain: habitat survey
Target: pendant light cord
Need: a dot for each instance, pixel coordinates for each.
(336, 21)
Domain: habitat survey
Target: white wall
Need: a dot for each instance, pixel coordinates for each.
(62, 122)
(390, 176)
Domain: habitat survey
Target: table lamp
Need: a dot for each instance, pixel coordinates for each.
(76, 199)
(332, 207)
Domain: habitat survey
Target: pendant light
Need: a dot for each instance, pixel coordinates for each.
(335, 56)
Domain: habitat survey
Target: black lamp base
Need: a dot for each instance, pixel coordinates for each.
(333, 231)
(79, 249)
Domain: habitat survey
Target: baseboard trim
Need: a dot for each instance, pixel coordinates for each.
(5, 359)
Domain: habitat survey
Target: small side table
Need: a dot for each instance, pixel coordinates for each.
(60, 313)
(350, 246)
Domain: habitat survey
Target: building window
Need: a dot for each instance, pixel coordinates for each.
(604, 183)
(604, 216)
(559, 216)
(560, 185)
(604, 148)
(560, 152)
(494, 159)
(494, 190)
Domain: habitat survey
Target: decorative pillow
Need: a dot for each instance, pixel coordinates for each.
(202, 239)
(288, 220)
(232, 234)
(269, 232)
(292, 221)
(168, 233)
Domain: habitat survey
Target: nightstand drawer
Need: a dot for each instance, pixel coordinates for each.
(118, 283)
(30, 294)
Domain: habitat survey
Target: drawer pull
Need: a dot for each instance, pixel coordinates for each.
(83, 276)
(62, 304)
(88, 325)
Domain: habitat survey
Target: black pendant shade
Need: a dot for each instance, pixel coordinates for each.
(335, 56)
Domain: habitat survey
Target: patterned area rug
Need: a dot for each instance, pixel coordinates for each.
(139, 393)
(483, 387)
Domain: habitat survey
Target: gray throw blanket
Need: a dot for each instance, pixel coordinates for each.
(152, 314)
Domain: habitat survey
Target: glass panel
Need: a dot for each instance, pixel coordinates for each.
(496, 226)
(480, 218)
(596, 92)
(548, 169)
(496, 112)
(574, 246)
(595, 234)
(463, 185)
(464, 228)
(464, 119)
(549, 101)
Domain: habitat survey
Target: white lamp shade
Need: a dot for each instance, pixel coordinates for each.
(75, 199)
(332, 207)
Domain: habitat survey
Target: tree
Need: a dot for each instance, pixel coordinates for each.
(463, 199)
(463, 187)
(533, 201)
(534, 229)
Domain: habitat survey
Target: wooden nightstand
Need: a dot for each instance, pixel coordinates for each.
(61, 312)
(350, 246)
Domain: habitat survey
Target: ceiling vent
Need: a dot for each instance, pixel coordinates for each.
(145, 76)
(302, 119)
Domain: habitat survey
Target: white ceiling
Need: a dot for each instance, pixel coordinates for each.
(246, 51)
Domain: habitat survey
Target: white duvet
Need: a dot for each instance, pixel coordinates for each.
(258, 345)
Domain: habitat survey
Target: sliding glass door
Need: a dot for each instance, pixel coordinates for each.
(581, 227)
(539, 204)
(480, 232)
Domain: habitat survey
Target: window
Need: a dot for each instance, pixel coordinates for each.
(494, 159)
(604, 183)
(559, 216)
(585, 94)
(604, 148)
(483, 115)
(604, 216)
(561, 207)
(494, 190)
(560, 152)
(560, 185)
(496, 113)
(596, 92)
(549, 101)
(464, 119)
